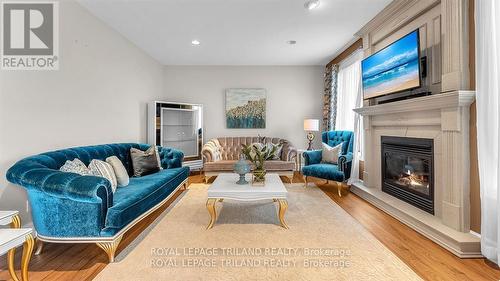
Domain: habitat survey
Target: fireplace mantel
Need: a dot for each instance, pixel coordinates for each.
(444, 118)
(444, 100)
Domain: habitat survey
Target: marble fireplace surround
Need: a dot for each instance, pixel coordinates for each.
(444, 118)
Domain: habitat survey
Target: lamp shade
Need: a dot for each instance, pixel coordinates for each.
(311, 125)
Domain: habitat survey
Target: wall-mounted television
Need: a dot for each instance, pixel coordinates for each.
(395, 68)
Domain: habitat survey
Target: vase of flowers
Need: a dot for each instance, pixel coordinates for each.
(258, 154)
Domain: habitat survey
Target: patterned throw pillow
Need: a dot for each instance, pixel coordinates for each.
(75, 166)
(102, 169)
(277, 153)
(331, 154)
(121, 174)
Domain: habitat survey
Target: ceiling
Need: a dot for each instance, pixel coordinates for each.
(237, 32)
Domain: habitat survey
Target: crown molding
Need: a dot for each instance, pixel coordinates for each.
(394, 8)
(344, 48)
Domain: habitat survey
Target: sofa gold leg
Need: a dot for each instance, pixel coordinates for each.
(39, 247)
(110, 248)
(327, 181)
(306, 179)
(339, 188)
(291, 178)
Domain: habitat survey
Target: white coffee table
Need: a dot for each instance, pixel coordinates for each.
(225, 187)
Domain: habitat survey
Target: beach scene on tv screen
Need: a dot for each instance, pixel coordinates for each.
(393, 69)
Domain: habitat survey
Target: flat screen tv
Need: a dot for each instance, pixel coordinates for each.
(395, 68)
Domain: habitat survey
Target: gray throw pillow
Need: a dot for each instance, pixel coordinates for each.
(144, 162)
(158, 157)
(121, 174)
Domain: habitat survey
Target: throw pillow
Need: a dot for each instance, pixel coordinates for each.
(121, 174)
(102, 169)
(258, 145)
(158, 157)
(144, 162)
(277, 153)
(75, 166)
(331, 154)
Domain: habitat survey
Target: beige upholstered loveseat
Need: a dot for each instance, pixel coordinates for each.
(220, 155)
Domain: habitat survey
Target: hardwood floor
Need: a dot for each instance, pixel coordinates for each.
(427, 259)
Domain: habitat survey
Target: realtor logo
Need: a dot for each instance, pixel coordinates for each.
(29, 36)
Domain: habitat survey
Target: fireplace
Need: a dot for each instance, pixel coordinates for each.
(408, 170)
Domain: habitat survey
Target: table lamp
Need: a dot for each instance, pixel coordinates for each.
(311, 125)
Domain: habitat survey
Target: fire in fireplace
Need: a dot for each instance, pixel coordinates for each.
(414, 180)
(407, 170)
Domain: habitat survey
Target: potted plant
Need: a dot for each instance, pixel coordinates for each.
(258, 153)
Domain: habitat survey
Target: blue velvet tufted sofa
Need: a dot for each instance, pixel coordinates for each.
(339, 173)
(70, 208)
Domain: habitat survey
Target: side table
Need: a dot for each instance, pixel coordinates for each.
(15, 237)
(10, 217)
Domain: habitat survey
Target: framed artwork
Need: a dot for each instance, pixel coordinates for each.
(245, 108)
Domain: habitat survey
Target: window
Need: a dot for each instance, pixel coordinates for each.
(349, 96)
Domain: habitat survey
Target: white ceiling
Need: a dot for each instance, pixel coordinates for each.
(237, 32)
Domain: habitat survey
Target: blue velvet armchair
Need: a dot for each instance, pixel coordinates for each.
(339, 172)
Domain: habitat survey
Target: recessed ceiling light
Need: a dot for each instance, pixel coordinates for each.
(291, 42)
(195, 42)
(311, 4)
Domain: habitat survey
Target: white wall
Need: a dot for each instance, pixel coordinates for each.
(293, 93)
(101, 90)
(99, 95)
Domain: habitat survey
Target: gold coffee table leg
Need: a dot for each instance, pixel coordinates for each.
(283, 207)
(27, 252)
(211, 211)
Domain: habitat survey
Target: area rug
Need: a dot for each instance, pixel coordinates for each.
(247, 243)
